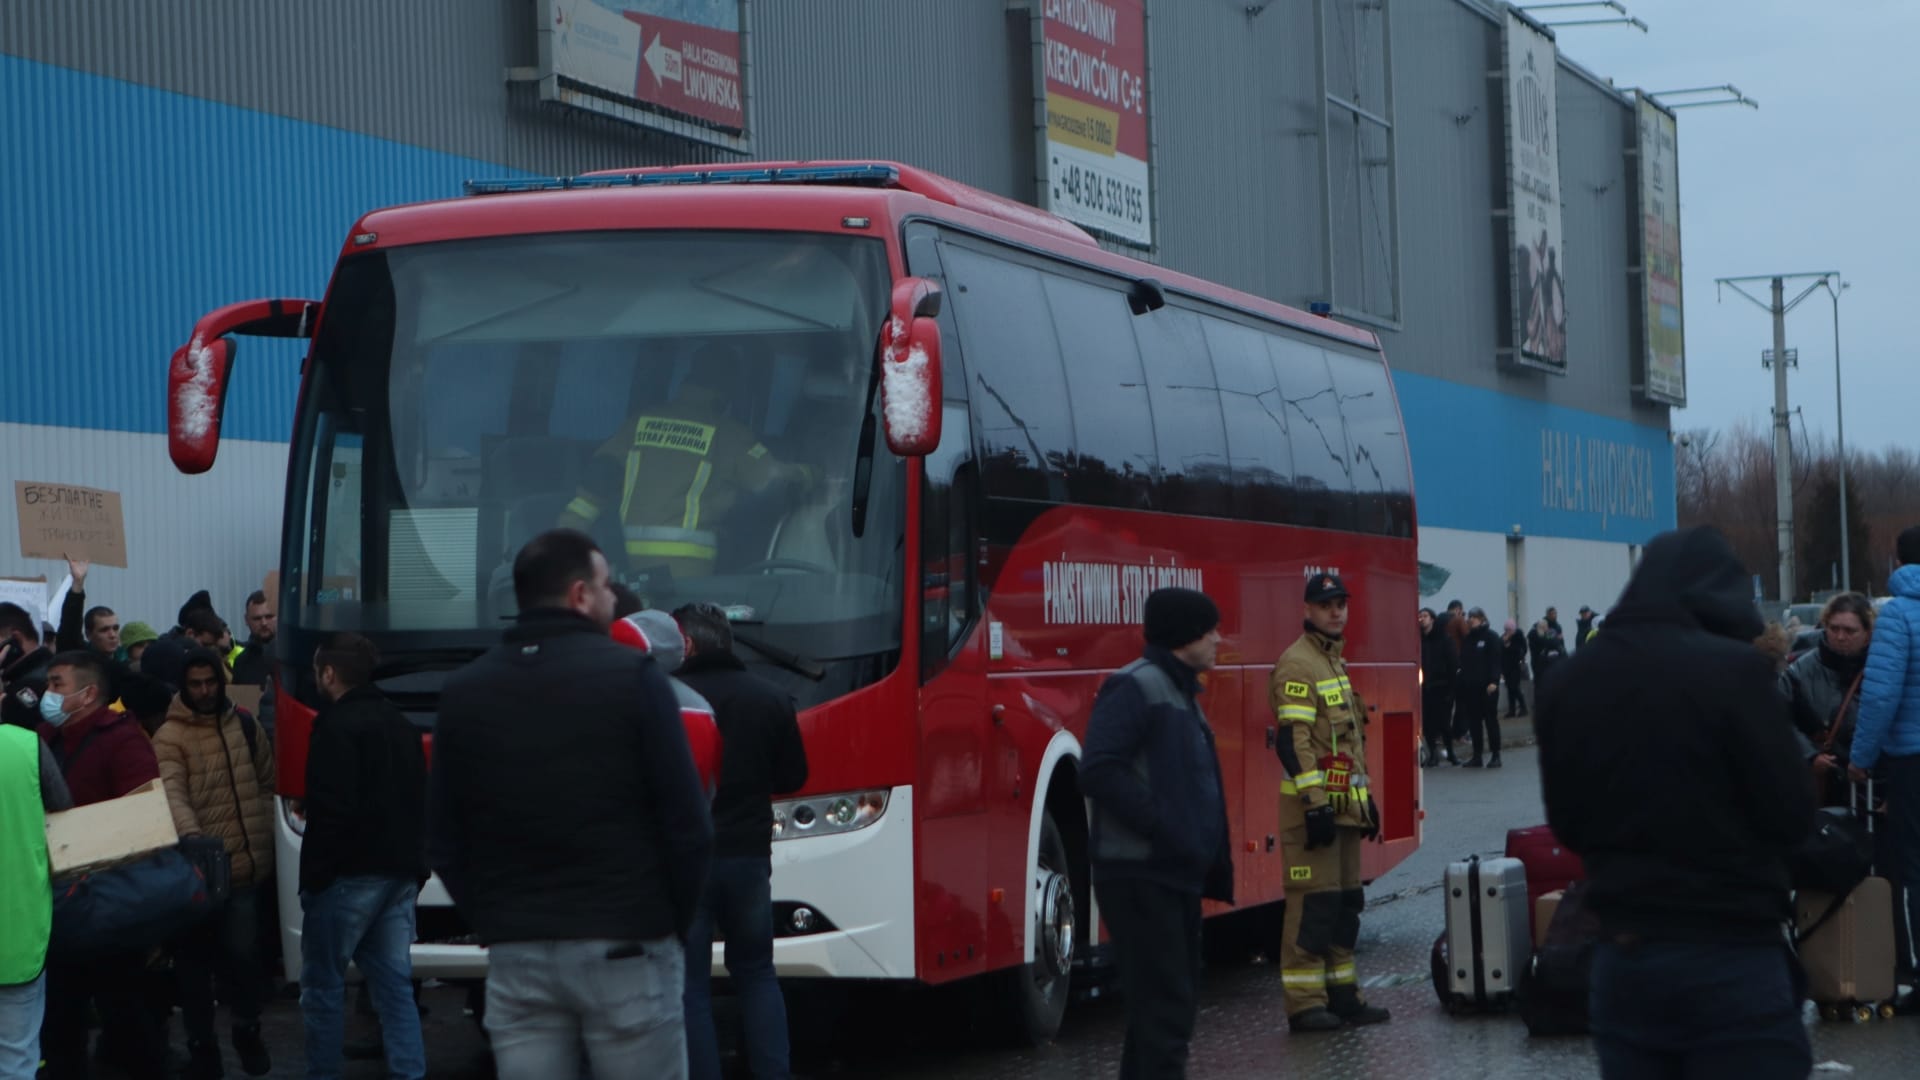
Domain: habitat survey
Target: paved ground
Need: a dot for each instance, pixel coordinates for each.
(1241, 1033)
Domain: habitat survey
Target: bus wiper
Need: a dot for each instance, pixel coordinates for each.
(414, 661)
(792, 661)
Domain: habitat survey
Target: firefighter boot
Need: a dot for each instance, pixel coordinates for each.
(1346, 1003)
(1314, 1020)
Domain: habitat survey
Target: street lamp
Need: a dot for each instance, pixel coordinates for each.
(1612, 5)
(1840, 425)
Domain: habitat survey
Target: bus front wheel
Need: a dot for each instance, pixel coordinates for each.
(1037, 992)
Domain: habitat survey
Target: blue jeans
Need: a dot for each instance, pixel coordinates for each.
(369, 921)
(1686, 1011)
(618, 1001)
(21, 1009)
(739, 901)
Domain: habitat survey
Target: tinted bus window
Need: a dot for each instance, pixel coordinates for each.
(1257, 440)
(1195, 476)
(1114, 460)
(1322, 466)
(1019, 395)
(1382, 483)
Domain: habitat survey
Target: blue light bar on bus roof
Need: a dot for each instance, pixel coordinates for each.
(855, 175)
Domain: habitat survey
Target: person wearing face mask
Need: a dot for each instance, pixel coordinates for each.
(218, 768)
(568, 823)
(102, 755)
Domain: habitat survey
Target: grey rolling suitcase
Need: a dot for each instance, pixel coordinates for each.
(1488, 945)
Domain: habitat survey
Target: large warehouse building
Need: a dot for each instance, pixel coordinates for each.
(1432, 169)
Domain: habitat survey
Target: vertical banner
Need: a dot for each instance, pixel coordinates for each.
(677, 57)
(1094, 96)
(1533, 198)
(1665, 347)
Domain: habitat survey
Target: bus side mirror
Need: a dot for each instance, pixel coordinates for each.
(197, 376)
(910, 384)
(196, 400)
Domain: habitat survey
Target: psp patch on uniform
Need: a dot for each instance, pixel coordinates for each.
(1300, 873)
(666, 433)
(1296, 689)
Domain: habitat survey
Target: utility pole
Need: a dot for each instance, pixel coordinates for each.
(1840, 421)
(1782, 419)
(1782, 443)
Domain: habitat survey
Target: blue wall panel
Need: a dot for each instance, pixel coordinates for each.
(127, 212)
(1485, 462)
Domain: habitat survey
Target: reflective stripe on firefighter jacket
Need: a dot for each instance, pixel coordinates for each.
(678, 474)
(1320, 717)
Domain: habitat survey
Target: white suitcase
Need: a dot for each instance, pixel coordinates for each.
(1489, 948)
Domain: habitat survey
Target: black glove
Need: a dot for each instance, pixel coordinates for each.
(1372, 831)
(1319, 827)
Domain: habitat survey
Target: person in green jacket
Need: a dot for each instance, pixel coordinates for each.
(30, 785)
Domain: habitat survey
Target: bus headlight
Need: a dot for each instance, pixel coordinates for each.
(296, 820)
(824, 815)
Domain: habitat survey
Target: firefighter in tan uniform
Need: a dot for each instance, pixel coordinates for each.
(675, 471)
(1325, 815)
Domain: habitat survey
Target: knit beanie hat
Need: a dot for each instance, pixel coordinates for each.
(166, 661)
(200, 601)
(134, 633)
(654, 632)
(1177, 617)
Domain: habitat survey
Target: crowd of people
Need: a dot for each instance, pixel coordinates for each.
(600, 935)
(1464, 666)
(1691, 848)
(600, 869)
(116, 707)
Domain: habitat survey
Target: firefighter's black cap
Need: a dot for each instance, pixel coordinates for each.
(1324, 587)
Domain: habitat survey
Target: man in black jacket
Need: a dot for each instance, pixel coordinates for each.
(1160, 838)
(1478, 690)
(571, 829)
(761, 756)
(1685, 834)
(363, 859)
(1513, 667)
(23, 667)
(1439, 662)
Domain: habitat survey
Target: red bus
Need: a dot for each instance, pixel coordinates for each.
(1013, 436)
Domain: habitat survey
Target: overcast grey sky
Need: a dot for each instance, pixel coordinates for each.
(1824, 176)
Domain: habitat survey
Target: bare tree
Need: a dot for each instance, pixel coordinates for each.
(1725, 479)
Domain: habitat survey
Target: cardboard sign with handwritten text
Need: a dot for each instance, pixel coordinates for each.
(59, 521)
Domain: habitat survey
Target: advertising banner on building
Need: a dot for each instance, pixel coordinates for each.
(678, 57)
(1533, 198)
(1665, 346)
(1094, 59)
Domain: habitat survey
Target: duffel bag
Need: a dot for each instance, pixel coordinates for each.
(1837, 854)
(129, 908)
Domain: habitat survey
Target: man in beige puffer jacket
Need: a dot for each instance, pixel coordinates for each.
(217, 764)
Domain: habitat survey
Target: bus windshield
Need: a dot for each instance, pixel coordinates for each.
(694, 400)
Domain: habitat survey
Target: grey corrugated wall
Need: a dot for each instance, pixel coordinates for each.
(948, 84)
